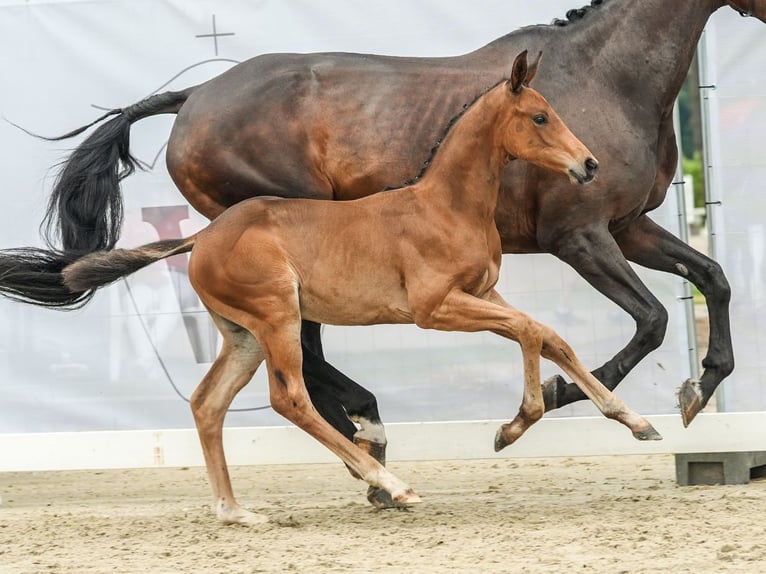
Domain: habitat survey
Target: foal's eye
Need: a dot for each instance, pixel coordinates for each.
(540, 119)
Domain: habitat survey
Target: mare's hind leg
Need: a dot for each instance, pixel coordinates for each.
(233, 368)
(339, 399)
(280, 336)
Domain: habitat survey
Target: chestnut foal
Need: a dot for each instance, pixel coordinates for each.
(428, 254)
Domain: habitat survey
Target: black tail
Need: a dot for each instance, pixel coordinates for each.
(101, 268)
(34, 276)
(68, 280)
(85, 209)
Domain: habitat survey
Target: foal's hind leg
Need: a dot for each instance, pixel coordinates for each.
(339, 401)
(280, 336)
(233, 368)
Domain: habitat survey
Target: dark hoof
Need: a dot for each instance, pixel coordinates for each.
(648, 434)
(500, 442)
(382, 500)
(375, 449)
(553, 387)
(690, 400)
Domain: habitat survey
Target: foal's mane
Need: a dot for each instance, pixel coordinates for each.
(446, 130)
(576, 14)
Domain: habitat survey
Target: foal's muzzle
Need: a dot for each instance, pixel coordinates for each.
(590, 166)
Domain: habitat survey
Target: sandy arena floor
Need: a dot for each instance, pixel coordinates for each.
(601, 514)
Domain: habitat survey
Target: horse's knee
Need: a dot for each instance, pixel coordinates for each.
(653, 326)
(716, 288)
(531, 413)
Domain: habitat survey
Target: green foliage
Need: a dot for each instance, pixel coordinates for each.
(693, 166)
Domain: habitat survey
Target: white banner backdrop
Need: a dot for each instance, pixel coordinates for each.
(736, 65)
(128, 360)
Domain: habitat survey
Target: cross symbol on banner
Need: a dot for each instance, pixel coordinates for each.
(214, 35)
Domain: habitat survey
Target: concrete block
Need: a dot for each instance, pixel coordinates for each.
(719, 467)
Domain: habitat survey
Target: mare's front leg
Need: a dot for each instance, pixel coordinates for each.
(233, 368)
(595, 255)
(650, 245)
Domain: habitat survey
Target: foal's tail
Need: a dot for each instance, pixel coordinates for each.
(101, 268)
(85, 208)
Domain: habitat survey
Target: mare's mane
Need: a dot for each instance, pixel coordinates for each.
(576, 14)
(573, 15)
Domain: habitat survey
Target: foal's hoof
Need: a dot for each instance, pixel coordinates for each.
(382, 500)
(552, 388)
(648, 434)
(500, 441)
(407, 498)
(690, 400)
(242, 517)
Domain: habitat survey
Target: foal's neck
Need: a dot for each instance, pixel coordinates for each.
(466, 169)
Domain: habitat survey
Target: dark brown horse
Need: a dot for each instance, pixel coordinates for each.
(428, 253)
(344, 126)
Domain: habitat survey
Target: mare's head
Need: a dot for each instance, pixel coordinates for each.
(755, 8)
(534, 132)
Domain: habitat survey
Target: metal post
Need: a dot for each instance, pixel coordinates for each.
(712, 204)
(683, 233)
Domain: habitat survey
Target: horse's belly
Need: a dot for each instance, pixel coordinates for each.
(366, 305)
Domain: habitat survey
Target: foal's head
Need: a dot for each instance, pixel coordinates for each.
(534, 132)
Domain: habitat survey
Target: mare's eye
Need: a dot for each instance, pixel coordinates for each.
(540, 119)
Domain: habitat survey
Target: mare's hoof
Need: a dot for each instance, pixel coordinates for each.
(379, 498)
(648, 434)
(552, 388)
(689, 400)
(382, 500)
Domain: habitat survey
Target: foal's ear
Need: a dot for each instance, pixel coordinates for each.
(519, 73)
(532, 70)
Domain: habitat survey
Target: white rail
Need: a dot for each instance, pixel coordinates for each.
(585, 436)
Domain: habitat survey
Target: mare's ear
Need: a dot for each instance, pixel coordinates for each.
(519, 73)
(532, 70)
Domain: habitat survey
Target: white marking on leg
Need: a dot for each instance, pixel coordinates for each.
(368, 430)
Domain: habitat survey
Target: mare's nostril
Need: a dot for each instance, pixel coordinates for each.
(591, 165)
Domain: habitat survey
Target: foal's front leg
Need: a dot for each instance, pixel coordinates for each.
(558, 350)
(460, 311)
